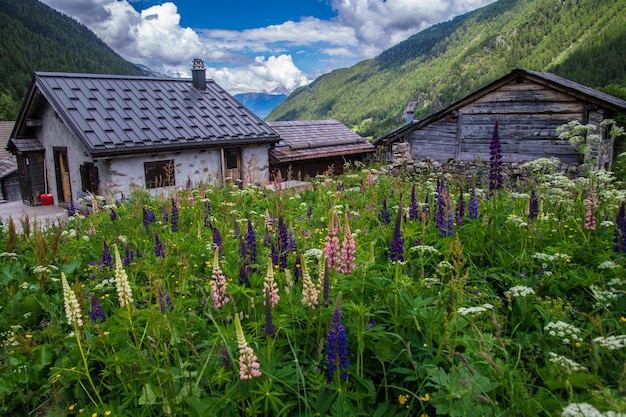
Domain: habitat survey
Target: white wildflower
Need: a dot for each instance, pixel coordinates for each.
(568, 365)
(313, 253)
(124, 293)
(611, 342)
(563, 330)
(519, 291)
(580, 410)
(72, 308)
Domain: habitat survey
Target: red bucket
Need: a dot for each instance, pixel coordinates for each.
(46, 199)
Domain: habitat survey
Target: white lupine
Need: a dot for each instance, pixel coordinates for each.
(72, 308)
(124, 293)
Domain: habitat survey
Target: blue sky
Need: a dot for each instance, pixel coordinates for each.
(257, 45)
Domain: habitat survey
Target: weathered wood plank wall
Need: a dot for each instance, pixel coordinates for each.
(528, 115)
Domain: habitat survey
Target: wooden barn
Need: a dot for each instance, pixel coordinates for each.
(311, 147)
(529, 107)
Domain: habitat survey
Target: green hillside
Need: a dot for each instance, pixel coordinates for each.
(34, 37)
(582, 40)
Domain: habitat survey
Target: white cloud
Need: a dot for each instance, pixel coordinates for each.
(261, 58)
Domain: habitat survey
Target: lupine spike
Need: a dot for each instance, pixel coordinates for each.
(413, 208)
(310, 294)
(385, 216)
(348, 249)
(96, 313)
(159, 249)
(270, 288)
(533, 206)
(174, 217)
(337, 344)
(495, 162)
(331, 242)
(248, 364)
(72, 307)
(396, 251)
(219, 289)
(124, 293)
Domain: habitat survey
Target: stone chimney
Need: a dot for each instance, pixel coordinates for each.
(198, 74)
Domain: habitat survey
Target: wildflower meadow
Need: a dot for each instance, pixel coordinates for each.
(365, 294)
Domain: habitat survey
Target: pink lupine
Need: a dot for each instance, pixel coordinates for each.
(219, 291)
(348, 249)
(331, 242)
(310, 294)
(270, 288)
(592, 204)
(248, 363)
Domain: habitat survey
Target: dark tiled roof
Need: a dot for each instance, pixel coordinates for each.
(311, 139)
(8, 165)
(25, 145)
(116, 115)
(5, 133)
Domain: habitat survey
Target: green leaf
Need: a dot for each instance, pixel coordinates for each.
(147, 395)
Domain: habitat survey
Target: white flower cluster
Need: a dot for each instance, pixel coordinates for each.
(444, 265)
(611, 342)
(464, 311)
(8, 338)
(69, 233)
(313, 253)
(431, 250)
(39, 269)
(608, 265)
(9, 255)
(603, 297)
(519, 291)
(545, 165)
(565, 331)
(567, 364)
(544, 257)
(581, 410)
(516, 220)
(105, 283)
(519, 195)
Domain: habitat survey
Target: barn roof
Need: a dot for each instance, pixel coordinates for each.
(117, 114)
(553, 81)
(312, 139)
(5, 134)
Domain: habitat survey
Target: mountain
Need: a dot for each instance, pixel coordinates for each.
(261, 104)
(36, 37)
(582, 40)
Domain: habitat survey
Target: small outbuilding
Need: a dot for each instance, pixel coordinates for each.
(9, 179)
(529, 107)
(90, 133)
(312, 147)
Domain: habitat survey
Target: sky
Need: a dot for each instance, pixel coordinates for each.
(256, 45)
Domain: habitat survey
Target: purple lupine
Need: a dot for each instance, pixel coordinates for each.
(337, 344)
(71, 210)
(292, 246)
(460, 209)
(244, 270)
(533, 206)
(495, 162)
(340, 186)
(107, 259)
(217, 238)
(385, 216)
(159, 249)
(165, 301)
(282, 248)
(445, 215)
(273, 254)
(473, 204)
(128, 255)
(309, 212)
(619, 236)
(251, 243)
(165, 214)
(413, 208)
(113, 215)
(97, 313)
(297, 269)
(396, 249)
(174, 217)
(148, 218)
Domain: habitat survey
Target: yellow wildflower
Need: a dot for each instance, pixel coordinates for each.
(71, 407)
(402, 399)
(425, 398)
(622, 319)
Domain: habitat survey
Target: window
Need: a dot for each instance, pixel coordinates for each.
(232, 158)
(89, 178)
(159, 173)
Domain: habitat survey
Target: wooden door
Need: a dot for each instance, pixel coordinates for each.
(61, 166)
(231, 161)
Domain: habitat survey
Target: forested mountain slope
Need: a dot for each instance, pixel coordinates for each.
(34, 37)
(583, 40)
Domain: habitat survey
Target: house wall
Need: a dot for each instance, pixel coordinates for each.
(121, 175)
(54, 133)
(528, 115)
